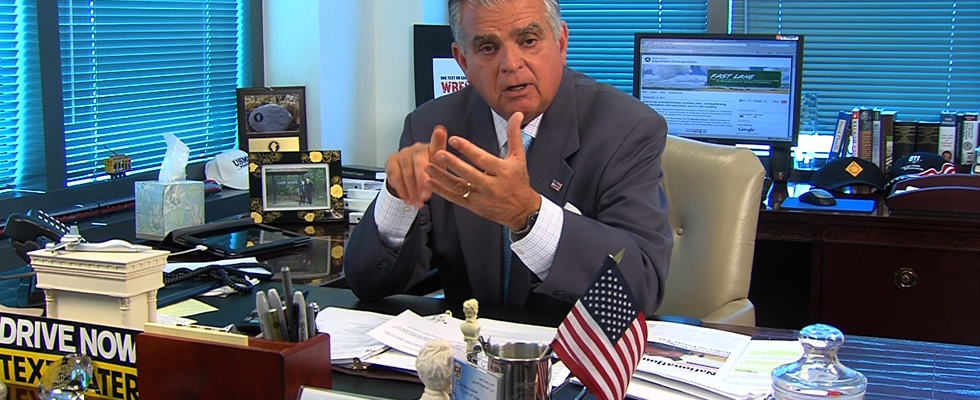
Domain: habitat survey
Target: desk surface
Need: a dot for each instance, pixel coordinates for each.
(896, 369)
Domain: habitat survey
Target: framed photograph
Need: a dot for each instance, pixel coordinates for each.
(272, 119)
(295, 186)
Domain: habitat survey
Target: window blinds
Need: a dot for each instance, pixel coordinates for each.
(915, 57)
(132, 71)
(19, 85)
(601, 32)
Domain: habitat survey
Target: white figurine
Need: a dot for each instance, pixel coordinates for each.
(435, 367)
(470, 328)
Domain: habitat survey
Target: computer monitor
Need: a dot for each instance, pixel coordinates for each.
(729, 89)
(436, 71)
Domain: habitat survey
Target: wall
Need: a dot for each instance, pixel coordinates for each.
(291, 41)
(355, 59)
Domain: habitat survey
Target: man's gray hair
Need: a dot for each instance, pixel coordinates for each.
(552, 11)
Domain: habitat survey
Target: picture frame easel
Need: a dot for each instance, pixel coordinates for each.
(295, 187)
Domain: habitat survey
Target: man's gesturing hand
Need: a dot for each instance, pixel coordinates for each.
(493, 188)
(406, 169)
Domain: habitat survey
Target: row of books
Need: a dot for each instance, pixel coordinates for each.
(878, 136)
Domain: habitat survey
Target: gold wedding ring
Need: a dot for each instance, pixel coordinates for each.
(467, 194)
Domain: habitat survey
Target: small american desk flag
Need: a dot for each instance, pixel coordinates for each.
(603, 337)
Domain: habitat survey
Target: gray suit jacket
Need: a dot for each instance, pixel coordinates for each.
(597, 148)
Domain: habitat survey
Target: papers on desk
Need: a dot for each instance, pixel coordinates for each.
(395, 341)
(681, 361)
(346, 329)
(408, 332)
(186, 308)
(710, 363)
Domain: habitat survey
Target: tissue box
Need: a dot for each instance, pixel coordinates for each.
(163, 207)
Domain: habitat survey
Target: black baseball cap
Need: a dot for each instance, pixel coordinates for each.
(848, 171)
(920, 163)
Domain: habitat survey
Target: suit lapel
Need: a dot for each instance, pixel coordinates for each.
(557, 139)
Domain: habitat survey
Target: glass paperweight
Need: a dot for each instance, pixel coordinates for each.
(818, 374)
(67, 378)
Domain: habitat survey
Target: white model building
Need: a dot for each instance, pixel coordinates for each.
(116, 287)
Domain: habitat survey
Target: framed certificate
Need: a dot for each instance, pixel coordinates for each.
(272, 119)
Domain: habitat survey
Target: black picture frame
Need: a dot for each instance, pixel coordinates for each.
(277, 194)
(272, 119)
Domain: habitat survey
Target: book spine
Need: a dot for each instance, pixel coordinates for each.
(876, 137)
(927, 137)
(865, 149)
(904, 138)
(888, 139)
(852, 149)
(841, 132)
(947, 135)
(969, 138)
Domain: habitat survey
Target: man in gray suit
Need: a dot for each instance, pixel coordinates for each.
(463, 185)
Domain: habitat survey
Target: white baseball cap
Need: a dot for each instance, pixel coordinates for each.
(229, 168)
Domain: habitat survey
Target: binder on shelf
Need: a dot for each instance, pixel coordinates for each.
(179, 368)
(969, 138)
(838, 148)
(947, 146)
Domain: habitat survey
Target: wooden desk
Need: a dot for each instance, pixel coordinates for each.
(869, 274)
(896, 369)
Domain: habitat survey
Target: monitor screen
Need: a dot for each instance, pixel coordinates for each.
(733, 89)
(436, 71)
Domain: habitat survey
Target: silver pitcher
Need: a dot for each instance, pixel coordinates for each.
(526, 369)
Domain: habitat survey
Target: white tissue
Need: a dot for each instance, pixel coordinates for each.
(174, 161)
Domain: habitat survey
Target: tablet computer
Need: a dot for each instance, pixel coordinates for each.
(242, 240)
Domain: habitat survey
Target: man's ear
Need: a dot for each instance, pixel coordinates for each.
(563, 41)
(460, 58)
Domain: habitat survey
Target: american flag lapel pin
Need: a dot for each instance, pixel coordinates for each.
(556, 185)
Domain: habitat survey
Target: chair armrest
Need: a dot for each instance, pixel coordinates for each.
(735, 312)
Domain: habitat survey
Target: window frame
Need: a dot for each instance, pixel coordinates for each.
(45, 187)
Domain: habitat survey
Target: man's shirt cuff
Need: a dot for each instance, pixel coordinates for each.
(394, 218)
(537, 249)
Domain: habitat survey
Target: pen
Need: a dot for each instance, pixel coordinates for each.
(276, 305)
(374, 353)
(302, 332)
(262, 307)
(287, 295)
(311, 310)
(275, 329)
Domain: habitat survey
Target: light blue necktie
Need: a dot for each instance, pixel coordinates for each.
(506, 232)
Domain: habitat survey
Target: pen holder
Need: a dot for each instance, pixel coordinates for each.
(178, 368)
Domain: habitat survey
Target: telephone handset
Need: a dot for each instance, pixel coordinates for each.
(31, 231)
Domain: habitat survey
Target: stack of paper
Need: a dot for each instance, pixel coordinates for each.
(710, 363)
(681, 361)
(395, 341)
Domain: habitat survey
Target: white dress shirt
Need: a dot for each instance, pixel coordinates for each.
(394, 217)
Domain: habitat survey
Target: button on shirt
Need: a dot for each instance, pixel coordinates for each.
(394, 217)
